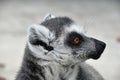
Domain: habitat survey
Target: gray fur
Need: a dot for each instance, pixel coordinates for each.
(30, 70)
(57, 24)
(50, 55)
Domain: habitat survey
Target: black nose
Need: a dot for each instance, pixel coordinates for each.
(100, 46)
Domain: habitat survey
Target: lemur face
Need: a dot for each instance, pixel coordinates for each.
(59, 39)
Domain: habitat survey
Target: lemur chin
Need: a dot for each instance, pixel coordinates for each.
(57, 49)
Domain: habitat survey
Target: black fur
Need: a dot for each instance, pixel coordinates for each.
(37, 42)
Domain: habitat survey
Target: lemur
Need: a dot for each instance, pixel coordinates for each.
(57, 49)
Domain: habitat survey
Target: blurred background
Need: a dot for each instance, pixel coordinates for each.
(101, 18)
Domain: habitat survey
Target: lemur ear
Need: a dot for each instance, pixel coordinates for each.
(39, 32)
(49, 16)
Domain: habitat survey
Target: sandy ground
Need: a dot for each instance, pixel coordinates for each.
(103, 17)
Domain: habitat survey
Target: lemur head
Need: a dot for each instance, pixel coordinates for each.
(59, 39)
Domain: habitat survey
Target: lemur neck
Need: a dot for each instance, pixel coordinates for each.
(53, 71)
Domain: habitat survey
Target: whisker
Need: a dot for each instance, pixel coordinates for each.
(89, 21)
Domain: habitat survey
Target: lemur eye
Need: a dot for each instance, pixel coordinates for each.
(76, 40)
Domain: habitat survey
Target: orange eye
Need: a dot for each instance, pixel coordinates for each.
(76, 40)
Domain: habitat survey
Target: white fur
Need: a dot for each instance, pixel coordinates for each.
(68, 73)
(74, 27)
(42, 31)
(49, 16)
(43, 34)
(74, 73)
